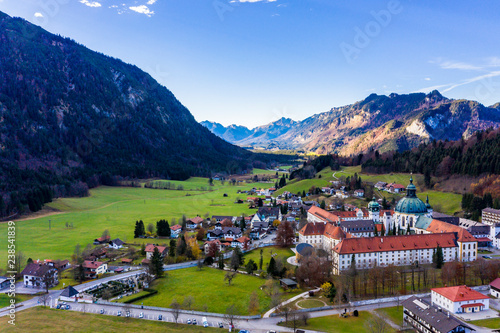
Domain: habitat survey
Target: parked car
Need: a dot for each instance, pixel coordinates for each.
(160, 317)
(119, 313)
(102, 311)
(188, 322)
(204, 321)
(58, 306)
(221, 325)
(141, 315)
(195, 322)
(127, 314)
(67, 307)
(487, 257)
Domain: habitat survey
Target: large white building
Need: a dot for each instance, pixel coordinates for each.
(459, 299)
(490, 216)
(400, 250)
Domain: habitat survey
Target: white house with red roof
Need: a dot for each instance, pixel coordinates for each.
(175, 230)
(194, 223)
(94, 268)
(495, 288)
(150, 248)
(459, 299)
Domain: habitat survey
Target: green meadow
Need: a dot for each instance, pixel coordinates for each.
(209, 290)
(117, 209)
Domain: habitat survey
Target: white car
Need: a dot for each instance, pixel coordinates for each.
(141, 315)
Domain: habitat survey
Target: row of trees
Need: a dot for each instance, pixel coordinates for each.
(162, 229)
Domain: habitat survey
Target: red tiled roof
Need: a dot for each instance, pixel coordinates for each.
(334, 232)
(92, 264)
(323, 214)
(495, 283)
(459, 293)
(382, 212)
(196, 220)
(127, 261)
(243, 239)
(151, 248)
(437, 226)
(312, 229)
(395, 243)
(472, 305)
(176, 227)
(396, 186)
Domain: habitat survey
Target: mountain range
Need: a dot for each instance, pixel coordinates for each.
(71, 118)
(394, 122)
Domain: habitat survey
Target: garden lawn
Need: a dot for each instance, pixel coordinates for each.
(267, 252)
(393, 313)
(5, 299)
(493, 323)
(117, 209)
(338, 324)
(310, 303)
(207, 287)
(53, 321)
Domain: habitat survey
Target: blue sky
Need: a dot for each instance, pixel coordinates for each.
(250, 62)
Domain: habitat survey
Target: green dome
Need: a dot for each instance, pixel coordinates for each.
(411, 205)
(373, 203)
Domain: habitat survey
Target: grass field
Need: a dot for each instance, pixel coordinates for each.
(5, 299)
(46, 320)
(493, 323)
(336, 324)
(117, 209)
(267, 252)
(393, 313)
(209, 290)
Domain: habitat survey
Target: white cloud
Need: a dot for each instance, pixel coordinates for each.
(143, 9)
(458, 65)
(90, 3)
(151, 2)
(427, 79)
(37, 14)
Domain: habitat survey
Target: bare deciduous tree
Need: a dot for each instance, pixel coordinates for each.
(175, 309)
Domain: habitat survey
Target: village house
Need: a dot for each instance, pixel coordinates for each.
(495, 288)
(194, 223)
(94, 268)
(267, 214)
(101, 240)
(220, 246)
(116, 244)
(175, 230)
(150, 248)
(424, 317)
(359, 193)
(459, 299)
(36, 275)
(69, 294)
(380, 185)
